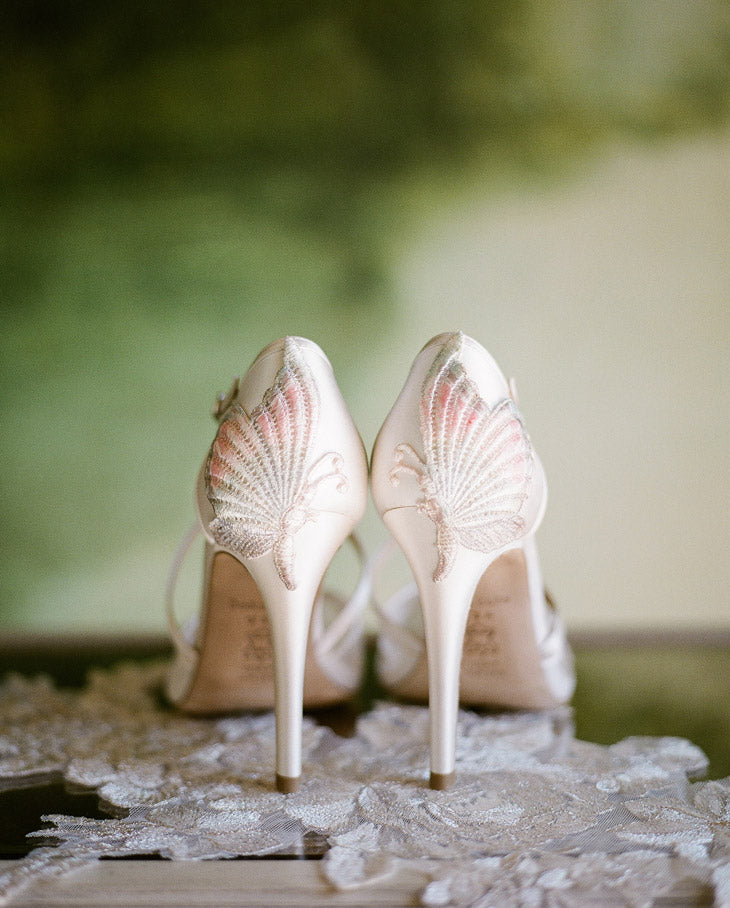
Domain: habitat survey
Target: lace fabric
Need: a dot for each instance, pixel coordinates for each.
(536, 817)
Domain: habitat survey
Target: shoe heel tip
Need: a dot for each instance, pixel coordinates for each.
(287, 784)
(440, 781)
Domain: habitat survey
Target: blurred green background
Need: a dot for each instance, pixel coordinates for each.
(182, 183)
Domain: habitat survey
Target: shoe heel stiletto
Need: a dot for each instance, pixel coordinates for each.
(289, 612)
(445, 607)
(281, 489)
(457, 483)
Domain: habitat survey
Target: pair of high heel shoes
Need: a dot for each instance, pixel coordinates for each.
(458, 484)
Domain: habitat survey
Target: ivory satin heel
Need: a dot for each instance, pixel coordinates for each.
(458, 484)
(281, 489)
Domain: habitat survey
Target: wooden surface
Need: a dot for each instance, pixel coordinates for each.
(222, 883)
(244, 884)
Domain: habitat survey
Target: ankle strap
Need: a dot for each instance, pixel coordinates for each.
(182, 644)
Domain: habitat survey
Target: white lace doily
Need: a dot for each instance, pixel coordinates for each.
(535, 818)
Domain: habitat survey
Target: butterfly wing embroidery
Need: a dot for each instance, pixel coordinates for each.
(477, 464)
(260, 475)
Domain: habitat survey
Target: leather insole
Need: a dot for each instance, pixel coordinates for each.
(500, 665)
(235, 670)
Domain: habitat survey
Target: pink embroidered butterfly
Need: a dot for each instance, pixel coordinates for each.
(260, 477)
(475, 475)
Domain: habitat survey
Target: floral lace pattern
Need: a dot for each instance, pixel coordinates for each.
(536, 817)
